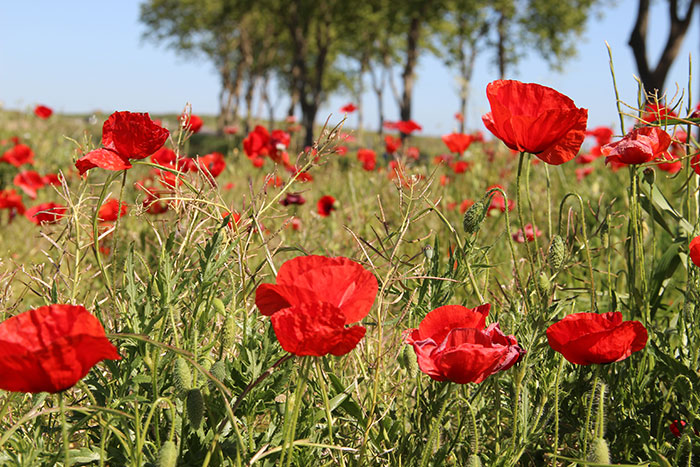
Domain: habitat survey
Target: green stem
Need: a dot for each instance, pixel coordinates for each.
(64, 430)
(290, 425)
(521, 219)
(326, 404)
(549, 202)
(532, 212)
(435, 428)
(557, 381)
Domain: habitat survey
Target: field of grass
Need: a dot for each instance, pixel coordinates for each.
(203, 380)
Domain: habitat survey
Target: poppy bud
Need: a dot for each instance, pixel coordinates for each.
(195, 407)
(474, 461)
(409, 361)
(544, 284)
(604, 233)
(219, 306)
(556, 253)
(649, 175)
(167, 457)
(229, 335)
(218, 371)
(428, 252)
(474, 217)
(182, 377)
(600, 454)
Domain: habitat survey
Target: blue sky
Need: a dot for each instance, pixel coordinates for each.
(87, 55)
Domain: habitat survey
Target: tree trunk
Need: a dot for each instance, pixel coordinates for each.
(653, 79)
(408, 76)
(250, 87)
(502, 31)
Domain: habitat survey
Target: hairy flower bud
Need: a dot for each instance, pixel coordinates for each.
(599, 453)
(556, 253)
(182, 377)
(195, 407)
(474, 217)
(167, 457)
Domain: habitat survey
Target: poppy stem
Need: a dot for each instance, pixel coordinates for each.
(64, 430)
(290, 424)
(521, 219)
(435, 428)
(532, 213)
(557, 382)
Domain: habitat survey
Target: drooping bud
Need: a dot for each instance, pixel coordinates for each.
(649, 175)
(474, 217)
(195, 407)
(556, 253)
(167, 457)
(219, 306)
(182, 377)
(599, 453)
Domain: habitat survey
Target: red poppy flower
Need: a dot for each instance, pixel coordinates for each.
(464, 205)
(110, 211)
(325, 205)
(530, 233)
(408, 126)
(694, 249)
(341, 150)
(413, 152)
(18, 155)
(459, 117)
(45, 213)
(536, 119)
(257, 141)
(671, 163)
(42, 112)
(231, 129)
(29, 181)
(164, 156)
(51, 348)
(193, 123)
(657, 111)
(583, 173)
(443, 159)
(587, 338)
(676, 427)
(457, 142)
(498, 202)
(293, 198)
(314, 298)
(235, 218)
(602, 134)
(461, 167)
(638, 146)
(390, 125)
(213, 164)
(392, 144)
(125, 135)
(451, 344)
(368, 158)
(9, 199)
(350, 108)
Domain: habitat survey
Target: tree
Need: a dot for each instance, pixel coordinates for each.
(653, 79)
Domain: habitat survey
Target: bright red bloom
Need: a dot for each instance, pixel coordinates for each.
(18, 155)
(464, 205)
(413, 152)
(193, 124)
(42, 112)
(602, 134)
(325, 205)
(231, 129)
(408, 126)
(587, 338)
(314, 298)
(671, 165)
(48, 213)
(213, 164)
(457, 142)
(657, 111)
(29, 181)
(9, 199)
(694, 251)
(392, 144)
(498, 202)
(49, 349)
(368, 158)
(234, 219)
(676, 427)
(110, 211)
(461, 167)
(530, 233)
(164, 156)
(257, 141)
(350, 108)
(341, 150)
(638, 146)
(583, 172)
(451, 344)
(125, 135)
(536, 119)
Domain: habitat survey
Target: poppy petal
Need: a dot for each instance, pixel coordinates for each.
(103, 158)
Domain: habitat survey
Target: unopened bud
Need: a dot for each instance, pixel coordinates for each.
(409, 360)
(195, 407)
(474, 217)
(474, 461)
(428, 252)
(556, 253)
(182, 377)
(599, 454)
(649, 175)
(167, 457)
(543, 283)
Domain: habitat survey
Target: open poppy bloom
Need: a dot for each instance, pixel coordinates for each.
(191, 122)
(451, 344)
(42, 112)
(587, 338)
(530, 233)
(391, 144)
(29, 181)
(51, 348)
(694, 251)
(325, 205)
(45, 213)
(110, 211)
(457, 142)
(18, 155)
(532, 118)
(350, 108)
(125, 135)
(314, 298)
(10, 199)
(638, 146)
(368, 158)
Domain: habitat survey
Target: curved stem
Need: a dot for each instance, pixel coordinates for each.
(64, 430)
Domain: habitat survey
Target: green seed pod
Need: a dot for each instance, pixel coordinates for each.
(167, 457)
(474, 217)
(229, 335)
(182, 377)
(474, 461)
(649, 175)
(219, 306)
(544, 284)
(428, 252)
(195, 407)
(218, 371)
(410, 362)
(556, 253)
(599, 454)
